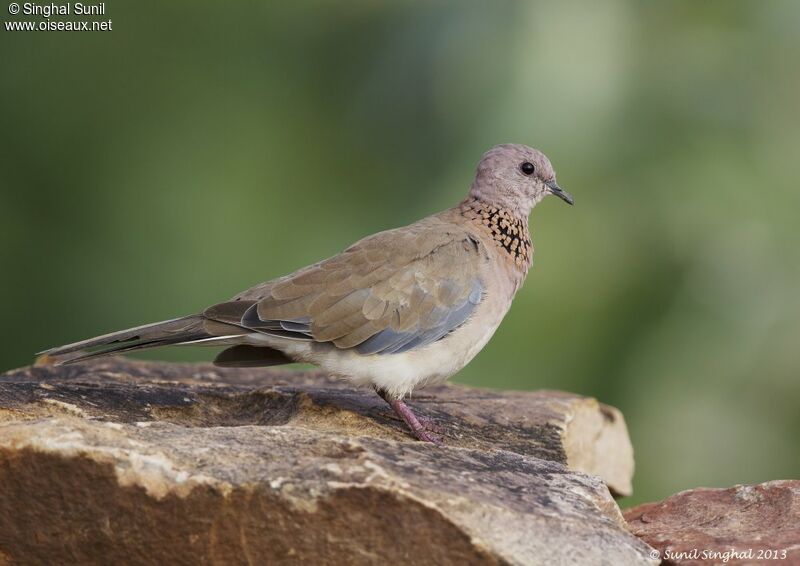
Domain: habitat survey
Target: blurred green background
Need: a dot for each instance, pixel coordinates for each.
(199, 148)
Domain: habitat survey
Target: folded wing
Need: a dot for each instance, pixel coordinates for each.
(389, 293)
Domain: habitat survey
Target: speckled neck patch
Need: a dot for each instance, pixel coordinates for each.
(507, 230)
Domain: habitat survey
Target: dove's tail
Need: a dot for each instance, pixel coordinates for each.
(185, 330)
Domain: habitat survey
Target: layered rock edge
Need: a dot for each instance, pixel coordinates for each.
(138, 462)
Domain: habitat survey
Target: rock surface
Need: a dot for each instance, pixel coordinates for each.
(138, 463)
(746, 524)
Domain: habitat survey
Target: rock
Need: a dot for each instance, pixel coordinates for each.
(746, 524)
(134, 462)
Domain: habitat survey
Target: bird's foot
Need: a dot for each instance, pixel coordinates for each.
(424, 429)
(428, 424)
(431, 425)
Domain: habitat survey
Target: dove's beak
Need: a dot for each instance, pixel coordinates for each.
(559, 192)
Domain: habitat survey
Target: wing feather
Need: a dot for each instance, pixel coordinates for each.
(389, 293)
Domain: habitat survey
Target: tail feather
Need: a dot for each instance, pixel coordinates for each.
(244, 356)
(176, 331)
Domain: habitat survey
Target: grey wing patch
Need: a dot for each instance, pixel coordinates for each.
(301, 325)
(441, 322)
(295, 329)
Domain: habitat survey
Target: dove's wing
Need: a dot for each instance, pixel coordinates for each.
(389, 293)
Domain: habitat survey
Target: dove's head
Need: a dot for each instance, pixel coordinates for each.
(515, 177)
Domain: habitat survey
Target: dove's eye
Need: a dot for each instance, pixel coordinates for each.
(527, 168)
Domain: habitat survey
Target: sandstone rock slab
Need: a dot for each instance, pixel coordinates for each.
(139, 463)
(745, 524)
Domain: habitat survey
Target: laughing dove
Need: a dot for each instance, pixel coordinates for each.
(396, 310)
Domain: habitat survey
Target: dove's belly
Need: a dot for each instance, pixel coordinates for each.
(399, 374)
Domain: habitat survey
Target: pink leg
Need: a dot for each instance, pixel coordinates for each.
(419, 429)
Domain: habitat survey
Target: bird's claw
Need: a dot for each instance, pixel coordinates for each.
(431, 425)
(426, 436)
